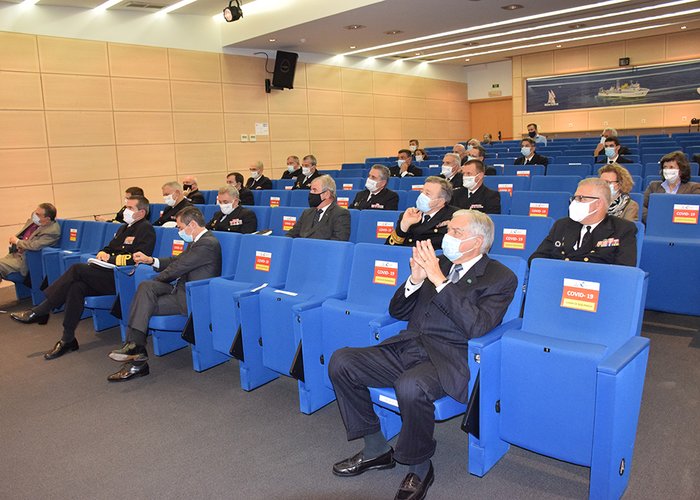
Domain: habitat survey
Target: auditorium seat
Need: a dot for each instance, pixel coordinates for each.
(410, 183)
(541, 204)
(518, 235)
(524, 170)
(407, 199)
(282, 219)
(155, 210)
(282, 184)
(575, 160)
(375, 226)
(262, 214)
(509, 183)
(275, 198)
(562, 169)
(89, 237)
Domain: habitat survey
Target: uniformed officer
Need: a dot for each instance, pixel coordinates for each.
(428, 219)
(231, 216)
(589, 234)
(174, 198)
(82, 280)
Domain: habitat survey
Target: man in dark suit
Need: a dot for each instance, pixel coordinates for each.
(192, 193)
(612, 152)
(474, 195)
(257, 180)
(235, 179)
(40, 231)
(528, 150)
(405, 165)
(446, 301)
(82, 280)
(293, 168)
(308, 173)
(165, 293)
(608, 132)
(376, 196)
(119, 217)
(175, 200)
(479, 153)
(589, 234)
(231, 216)
(451, 169)
(428, 219)
(324, 220)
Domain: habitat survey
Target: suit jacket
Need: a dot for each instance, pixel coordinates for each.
(196, 197)
(383, 200)
(305, 182)
(262, 183)
(535, 160)
(656, 187)
(170, 213)
(412, 170)
(620, 159)
(138, 237)
(241, 220)
(600, 249)
(334, 225)
(483, 199)
(291, 175)
(44, 236)
(457, 180)
(433, 230)
(200, 260)
(245, 195)
(444, 322)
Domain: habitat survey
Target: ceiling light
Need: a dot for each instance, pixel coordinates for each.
(417, 53)
(175, 6)
(353, 47)
(273, 39)
(30, 2)
(393, 32)
(467, 60)
(233, 12)
(106, 5)
(683, 27)
(354, 27)
(559, 46)
(555, 13)
(513, 6)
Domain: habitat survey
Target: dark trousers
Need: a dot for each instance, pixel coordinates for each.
(153, 298)
(406, 367)
(78, 282)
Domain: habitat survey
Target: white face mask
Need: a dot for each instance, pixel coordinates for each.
(35, 219)
(169, 200)
(525, 151)
(579, 210)
(255, 174)
(610, 152)
(128, 216)
(306, 171)
(613, 191)
(291, 168)
(671, 175)
(226, 208)
(371, 185)
(401, 162)
(446, 170)
(419, 157)
(412, 148)
(469, 182)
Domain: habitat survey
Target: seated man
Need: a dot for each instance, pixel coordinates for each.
(528, 150)
(308, 173)
(405, 165)
(535, 135)
(451, 169)
(119, 217)
(428, 219)
(589, 234)
(83, 280)
(235, 179)
(174, 197)
(41, 230)
(293, 168)
(475, 195)
(376, 195)
(608, 132)
(487, 139)
(479, 153)
(189, 184)
(257, 180)
(446, 300)
(612, 152)
(324, 220)
(165, 293)
(413, 146)
(461, 150)
(231, 216)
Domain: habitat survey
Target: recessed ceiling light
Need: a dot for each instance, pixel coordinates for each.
(418, 53)
(513, 6)
(467, 60)
(559, 46)
(354, 27)
(393, 32)
(683, 27)
(175, 6)
(353, 47)
(273, 39)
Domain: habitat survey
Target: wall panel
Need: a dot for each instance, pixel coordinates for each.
(20, 90)
(22, 129)
(22, 167)
(194, 66)
(89, 163)
(79, 128)
(73, 92)
(64, 55)
(78, 199)
(200, 158)
(244, 99)
(138, 94)
(143, 127)
(18, 203)
(196, 96)
(138, 61)
(146, 160)
(18, 52)
(198, 127)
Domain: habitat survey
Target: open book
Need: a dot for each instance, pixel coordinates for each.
(101, 263)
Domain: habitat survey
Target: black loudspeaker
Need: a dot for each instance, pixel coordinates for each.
(285, 65)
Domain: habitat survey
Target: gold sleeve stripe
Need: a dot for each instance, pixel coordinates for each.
(123, 260)
(395, 239)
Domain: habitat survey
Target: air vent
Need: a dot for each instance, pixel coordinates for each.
(143, 5)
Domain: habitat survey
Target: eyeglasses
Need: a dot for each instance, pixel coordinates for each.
(613, 182)
(581, 198)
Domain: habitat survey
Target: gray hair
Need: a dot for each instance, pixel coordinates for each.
(445, 187)
(173, 184)
(602, 188)
(611, 130)
(480, 224)
(456, 159)
(258, 164)
(384, 171)
(230, 190)
(459, 146)
(327, 183)
(312, 159)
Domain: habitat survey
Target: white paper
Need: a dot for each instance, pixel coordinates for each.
(258, 288)
(285, 292)
(262, 129)
(101, 263)
(388, 400)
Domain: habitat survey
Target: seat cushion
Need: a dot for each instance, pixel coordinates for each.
(100, 301)
(173, 322)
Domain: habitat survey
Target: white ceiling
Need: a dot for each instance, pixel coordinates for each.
(317, 26)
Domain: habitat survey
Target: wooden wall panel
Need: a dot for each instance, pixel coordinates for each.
(143, 127)
(18, 52)
(605, 56)
(328, 153)
(358, 104)
(684, 45)
(436, 109)
(646, 50)
(571, 60)
(642, 117)
(65, 55)
(387, 128)
(387, 106)
(358, 149)
(244, 99)
(20, 90)
(78, 199)
(241, 69)
(356, 80)
(240, 155)
(200, 158)
(76, 92)
(151, 186)
(387, 84)
(146, 160)
(280, 150)
(538, 64)
(23, 167)
(325, 102)
(325, 128)
(413, 107)
(358, 128)
(18, 203)
(198, 127)
(138, 61)
(289, 128)
(412, 128)
(288, 101)
(22, 129)
(196, 96)
(90, 163)
(194, 66)
(236, 124)
(678, 115)
(138, 94)
(319, 76)
(79, 128)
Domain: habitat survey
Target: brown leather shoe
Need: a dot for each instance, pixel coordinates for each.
(61, 348)
(357, 464)
(412, 488)
(129, 371)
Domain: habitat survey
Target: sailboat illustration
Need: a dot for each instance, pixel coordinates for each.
(551, 99)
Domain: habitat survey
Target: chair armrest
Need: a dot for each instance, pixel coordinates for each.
(616, 361)
(311, 304)
(386, 326)
(495, 334)
(249, 292)
(197, 283)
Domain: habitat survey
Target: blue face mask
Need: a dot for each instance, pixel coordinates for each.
(525, 151)
(450, 246)
(187, 238)
(423, 203)
(609, 152)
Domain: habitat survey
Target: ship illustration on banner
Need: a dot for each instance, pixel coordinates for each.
(624, 91)
(551, 99)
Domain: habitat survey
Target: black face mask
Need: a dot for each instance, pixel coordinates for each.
(187, 187)
(532, 134)
(314, 199)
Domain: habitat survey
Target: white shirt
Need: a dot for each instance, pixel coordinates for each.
(323, 212)
(466, 266)
(583, 231)
(156, 261)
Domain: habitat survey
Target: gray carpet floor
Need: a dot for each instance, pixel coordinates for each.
(65, 432)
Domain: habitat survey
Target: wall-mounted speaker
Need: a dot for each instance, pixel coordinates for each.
(285, 65)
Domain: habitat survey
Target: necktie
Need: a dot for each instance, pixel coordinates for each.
(454, 274)
(317, 217)
(426, 218)
(586, 237)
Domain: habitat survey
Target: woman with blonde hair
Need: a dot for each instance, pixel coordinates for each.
(620, 182)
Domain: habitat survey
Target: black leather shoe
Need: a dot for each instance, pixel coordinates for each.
(129, 352)
(129, 371)
(356, 465)
(412, 488)
(28, 317)
(61, 348)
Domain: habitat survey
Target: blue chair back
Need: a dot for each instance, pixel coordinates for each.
(168, 241)
(343, 175)
(230, 244)
(519, 267)
(71, 234)
(567, 183)
(522, 169)
(561, 169)
(376, 273)
(263, 216)
(93, 235)
(210, 196)
(344, 198)
(409, 183)
(283, 219)
(575, 160)
(298, 198)
(110, 231)
(209, 211)
(273, 197)
(375, 226)
(282, 184)
(349, 184)
(518, 235)
(540, 204)
(331, 259)
(155, 211)
(263, 259)
(407, 199)
(673, 216)
(508, 183)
